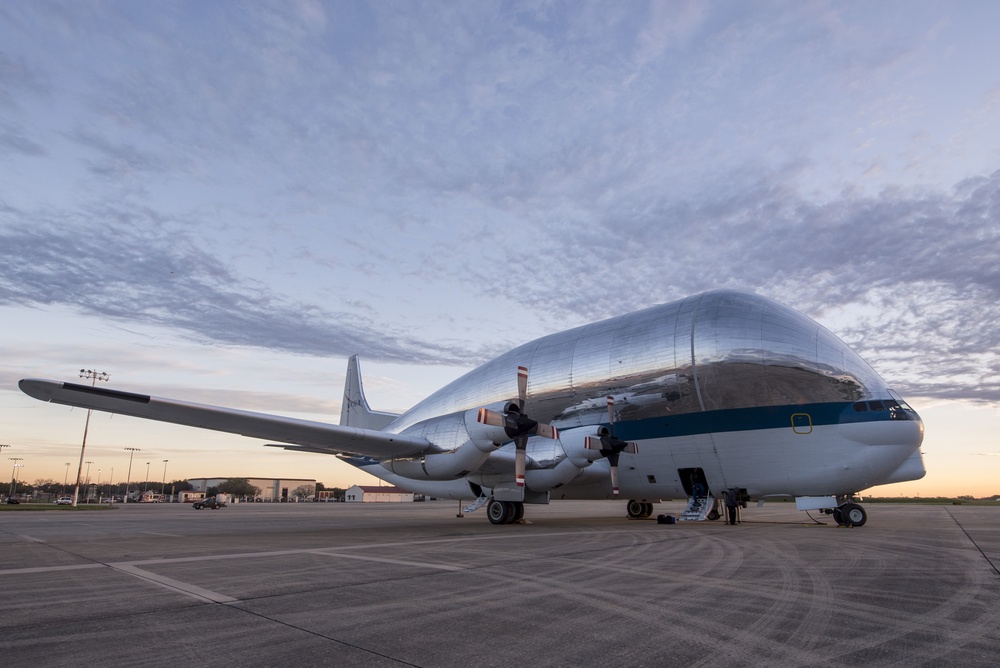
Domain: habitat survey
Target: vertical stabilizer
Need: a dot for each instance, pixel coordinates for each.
(354, 411)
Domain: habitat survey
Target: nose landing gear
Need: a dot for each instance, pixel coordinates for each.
(849, 514)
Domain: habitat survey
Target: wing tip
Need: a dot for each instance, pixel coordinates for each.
(40, 389)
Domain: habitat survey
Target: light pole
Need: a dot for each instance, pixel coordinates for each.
(98, 486)
(111, 489)
(13, 474)
(2, 446)
(163, 484)
(94, 376)
(66, 477)
(145, 485)
(14, 478)
(128, 477)
(88, 472)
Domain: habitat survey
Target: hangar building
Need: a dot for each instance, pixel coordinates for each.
(271, 489)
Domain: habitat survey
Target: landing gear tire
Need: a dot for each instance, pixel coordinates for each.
(838, 517)
(637, 509)
(499, 512)
(713, 514)
(518, 513)
(853, 515)
(648, 511)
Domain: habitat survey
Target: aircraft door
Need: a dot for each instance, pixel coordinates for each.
(692, 478)
(698, 453)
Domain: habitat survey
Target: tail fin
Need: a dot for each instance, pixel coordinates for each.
(354, 411)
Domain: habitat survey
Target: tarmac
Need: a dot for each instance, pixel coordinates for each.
(411, 584)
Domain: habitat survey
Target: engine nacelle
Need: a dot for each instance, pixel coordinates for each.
(487, 437)
(450, 465)
(574, 444)
(542, 480)
(577, 462)
(463, 442)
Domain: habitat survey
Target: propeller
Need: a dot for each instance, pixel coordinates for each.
(610, 446)
(517, 425)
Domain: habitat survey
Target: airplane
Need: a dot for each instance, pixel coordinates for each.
(719, 391)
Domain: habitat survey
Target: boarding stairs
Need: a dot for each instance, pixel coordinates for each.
(476, 505)
(698, 508)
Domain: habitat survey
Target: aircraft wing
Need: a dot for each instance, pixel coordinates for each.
(313, 436)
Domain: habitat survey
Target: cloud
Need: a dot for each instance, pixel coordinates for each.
(910, 279)
(13, 140)
(19, 80)
(135, 267)
(117, 159)
(568, 163)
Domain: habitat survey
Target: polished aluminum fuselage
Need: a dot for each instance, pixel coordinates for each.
(753, 393)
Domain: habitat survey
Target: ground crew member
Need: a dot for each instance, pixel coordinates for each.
(732, 506)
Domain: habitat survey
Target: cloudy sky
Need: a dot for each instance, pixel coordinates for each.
(222, 201)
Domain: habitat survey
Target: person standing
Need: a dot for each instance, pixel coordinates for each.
(732, 506)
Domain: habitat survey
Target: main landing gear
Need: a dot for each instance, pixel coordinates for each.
(504, 512)
(849, 514)
(639, 510)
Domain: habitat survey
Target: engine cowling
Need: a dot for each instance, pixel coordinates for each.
(574, 444)
(578, 458)
(463, 445)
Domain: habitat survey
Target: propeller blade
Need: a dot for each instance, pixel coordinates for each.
(522, 386)
(492, 418)
(521, 443)
(611, 415)
(610, 447)
(614, 479)
(547, 430)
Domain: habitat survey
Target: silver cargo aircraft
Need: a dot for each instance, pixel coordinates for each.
(723, 390)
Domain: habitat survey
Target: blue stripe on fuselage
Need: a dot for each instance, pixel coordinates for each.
(749, 419)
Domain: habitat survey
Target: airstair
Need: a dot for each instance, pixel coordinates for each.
(698, 508)
(476, 505)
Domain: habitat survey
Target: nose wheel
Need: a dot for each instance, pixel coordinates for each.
(850, 515)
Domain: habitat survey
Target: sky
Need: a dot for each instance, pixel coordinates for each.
(221, 202)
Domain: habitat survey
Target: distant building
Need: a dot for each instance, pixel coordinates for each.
(189, 495)
(271, 489)
(372, 494)
(325, 495)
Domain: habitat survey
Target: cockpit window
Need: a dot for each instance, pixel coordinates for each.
(899, 400)
(895, 410)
